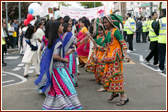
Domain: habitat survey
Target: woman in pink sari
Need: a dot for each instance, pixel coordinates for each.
(83, 44)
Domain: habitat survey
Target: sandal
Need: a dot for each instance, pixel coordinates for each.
(113, 96)
(125, 101)
(101, 90)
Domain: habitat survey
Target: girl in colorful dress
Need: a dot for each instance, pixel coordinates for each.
(115, 53)
(70, 41)
(41, 80)
(83, 44)
(59, 89)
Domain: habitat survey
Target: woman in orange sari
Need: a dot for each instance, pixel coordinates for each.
(83, 44)
(115, 53)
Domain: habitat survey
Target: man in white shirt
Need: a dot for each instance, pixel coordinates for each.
(11, 30)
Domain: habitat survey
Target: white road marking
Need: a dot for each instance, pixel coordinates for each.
(8, 81)
(32, 67)
(30, 71)
(12, 57)
(153, 69)
(146, 50)
(4, 74)
(17, 68)
(141, 58)
(22, 78)
(21, 64)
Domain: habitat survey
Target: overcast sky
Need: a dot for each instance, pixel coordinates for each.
(75, 4)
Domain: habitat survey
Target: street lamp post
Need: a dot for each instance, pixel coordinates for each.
(7, 14)
(19, 13)
(94, 4)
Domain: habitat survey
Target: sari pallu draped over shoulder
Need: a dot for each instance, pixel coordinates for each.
(44, 79)
(83, 54)
(68, 40)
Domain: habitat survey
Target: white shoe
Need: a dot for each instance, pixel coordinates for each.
(158, 70)
(129, 51)
(156, 65)
(147, 62)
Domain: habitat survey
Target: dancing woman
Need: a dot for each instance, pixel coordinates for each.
(83, 44)
(115, 53)
(59, 89)
(69, 42)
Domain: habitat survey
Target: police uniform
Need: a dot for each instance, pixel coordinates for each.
(160, 30)
(125, 31)
(153, 44)
(130, 31)
(144, 30)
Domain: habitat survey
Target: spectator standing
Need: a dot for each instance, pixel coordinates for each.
(11, 31)
(138, 30)
(15, 25)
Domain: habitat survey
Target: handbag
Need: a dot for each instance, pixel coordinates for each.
(33, 48)
(14, 34)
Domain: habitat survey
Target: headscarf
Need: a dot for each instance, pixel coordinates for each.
(115, 20)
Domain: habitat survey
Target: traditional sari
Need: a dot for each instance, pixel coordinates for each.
(69, 40)
(113, 78)
(59, 89)
(83, 54)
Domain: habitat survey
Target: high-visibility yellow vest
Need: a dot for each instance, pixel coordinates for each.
(148, 24)
(125, 27)
(132, 25)
(152, 35)
(3, 42)
(144, 28)
(162, 31)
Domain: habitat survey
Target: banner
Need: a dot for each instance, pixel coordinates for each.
(44, 8)
(78, 13)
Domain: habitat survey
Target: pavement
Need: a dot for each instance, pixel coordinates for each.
(145, 88)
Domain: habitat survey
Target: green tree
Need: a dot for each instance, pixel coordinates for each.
(160, 7)
(90, 4)
(13, 9)
(63, 4)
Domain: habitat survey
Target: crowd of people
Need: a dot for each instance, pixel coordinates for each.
(58, 47)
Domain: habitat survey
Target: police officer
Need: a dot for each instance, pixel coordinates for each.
(153, 41)
(144, 29)
(3, 48)
(131, 28)
(148, 24)
(160, 30)
(125, 30)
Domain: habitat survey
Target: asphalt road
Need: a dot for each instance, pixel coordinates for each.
(145, 88)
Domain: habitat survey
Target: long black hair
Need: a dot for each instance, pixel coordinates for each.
(47, 27)
(65, 25)
(38, 25)
(84, 20)
(66, 19)
(29, 32)
(53, 33)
